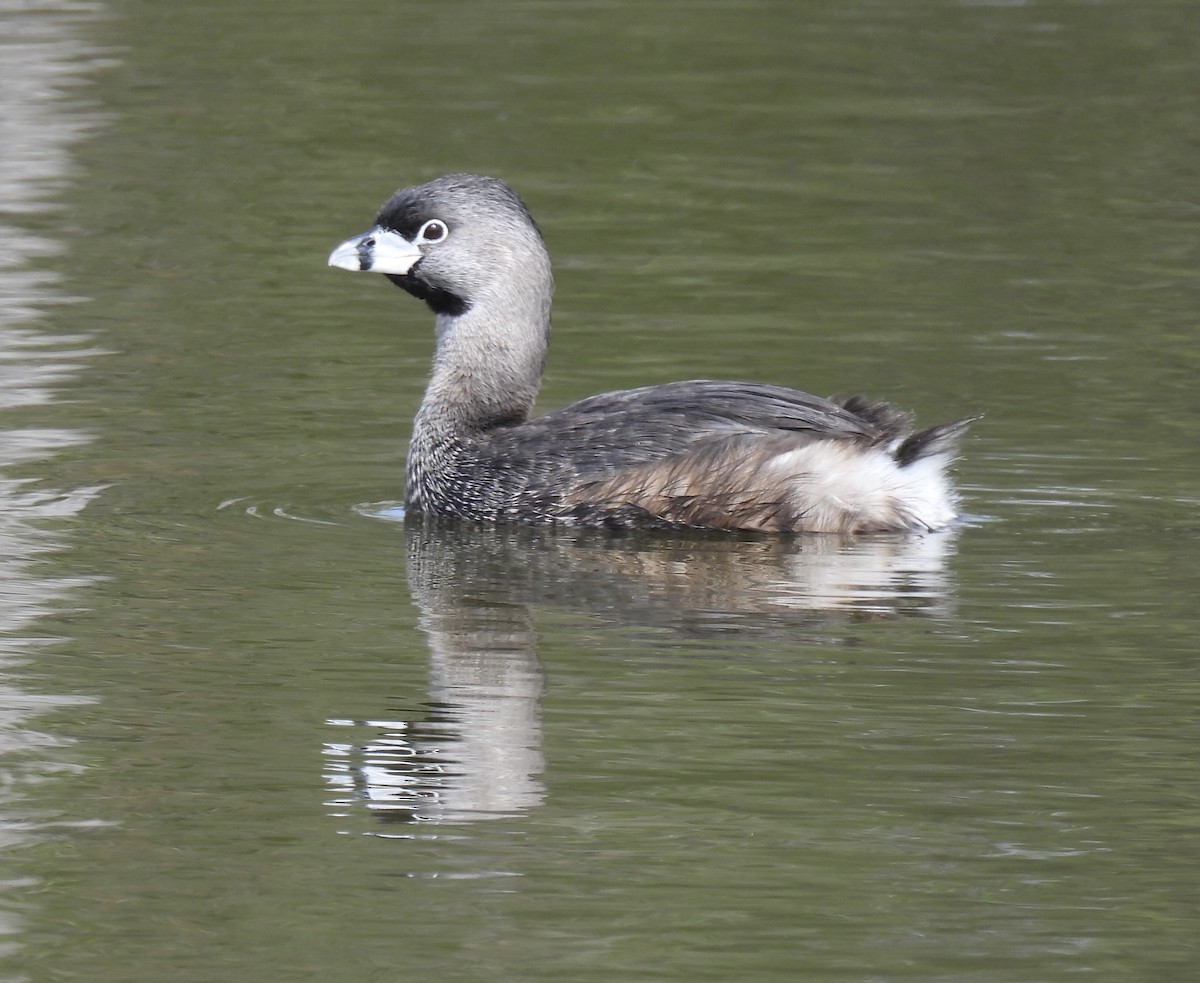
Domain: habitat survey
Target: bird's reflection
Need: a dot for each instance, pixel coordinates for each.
(476, 752)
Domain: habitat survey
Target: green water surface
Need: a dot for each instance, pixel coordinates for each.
(257, 727)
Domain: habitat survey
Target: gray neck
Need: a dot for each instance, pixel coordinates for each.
(489, 360)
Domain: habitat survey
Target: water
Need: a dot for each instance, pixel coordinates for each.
(256, 725)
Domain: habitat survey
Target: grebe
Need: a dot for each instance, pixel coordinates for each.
(685, 455)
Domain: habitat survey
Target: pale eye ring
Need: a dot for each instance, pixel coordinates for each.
(434, 230)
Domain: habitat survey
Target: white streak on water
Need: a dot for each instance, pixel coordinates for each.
(43, 64)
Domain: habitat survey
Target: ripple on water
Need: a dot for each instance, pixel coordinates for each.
(321, 515)
(388, 511)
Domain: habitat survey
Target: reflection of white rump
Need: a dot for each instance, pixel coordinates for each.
(866, 574)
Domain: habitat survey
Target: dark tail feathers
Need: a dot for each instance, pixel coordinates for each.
(935, 440)
(892, 422)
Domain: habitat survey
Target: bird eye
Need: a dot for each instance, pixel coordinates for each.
(433, 231)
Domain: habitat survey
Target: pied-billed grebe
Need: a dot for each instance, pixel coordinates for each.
(686, 455)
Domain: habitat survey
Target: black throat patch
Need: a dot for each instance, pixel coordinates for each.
(440, 301)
